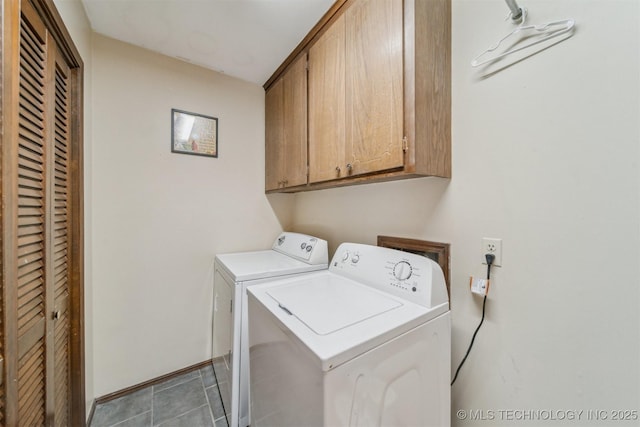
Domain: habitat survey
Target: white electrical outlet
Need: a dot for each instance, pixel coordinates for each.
(492, 246)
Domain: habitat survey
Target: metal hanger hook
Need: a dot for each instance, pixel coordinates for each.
(520, 18)
(518, 14)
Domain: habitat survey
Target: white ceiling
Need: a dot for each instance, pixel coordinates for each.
(247, 39)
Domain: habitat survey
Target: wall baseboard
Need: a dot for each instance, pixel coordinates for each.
(125, 391)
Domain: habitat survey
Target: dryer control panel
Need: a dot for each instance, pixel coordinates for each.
(309, 249)
(409, 276)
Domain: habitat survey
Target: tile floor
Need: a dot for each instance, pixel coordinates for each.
(190, 400)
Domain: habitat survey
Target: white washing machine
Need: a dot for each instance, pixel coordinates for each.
(290, 254)
(365, 343)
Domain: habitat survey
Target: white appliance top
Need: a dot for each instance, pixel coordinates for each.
(347, 302)
(368, 296)
(291, 253)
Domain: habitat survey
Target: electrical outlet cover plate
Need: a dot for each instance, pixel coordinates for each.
(479, 286)
(492, 246)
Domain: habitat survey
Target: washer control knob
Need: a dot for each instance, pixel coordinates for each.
(402, 270)
(309, 247)
(355, 258)
(345, 256)
(303, 245)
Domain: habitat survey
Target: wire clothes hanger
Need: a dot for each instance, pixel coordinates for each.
(525, 36)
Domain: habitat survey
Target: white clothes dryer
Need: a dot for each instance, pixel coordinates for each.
(365, 343)
(291, 254)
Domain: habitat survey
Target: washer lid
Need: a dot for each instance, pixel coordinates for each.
(326, 306)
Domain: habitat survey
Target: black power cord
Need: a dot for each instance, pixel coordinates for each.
(489, 258)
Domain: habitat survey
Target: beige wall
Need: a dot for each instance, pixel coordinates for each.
(159, 218)
(545, 156)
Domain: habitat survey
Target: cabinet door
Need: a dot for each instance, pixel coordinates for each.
(286, 129)
(374, 85)
(274, 135)
(294, 155)
(327, 105)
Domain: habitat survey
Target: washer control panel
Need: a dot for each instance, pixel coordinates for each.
(404, 274)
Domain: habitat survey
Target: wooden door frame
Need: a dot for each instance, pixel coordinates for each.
(10, 16)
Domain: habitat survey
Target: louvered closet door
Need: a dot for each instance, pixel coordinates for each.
(32, 208)
(58, 288)
(42, 234)
(41, 217)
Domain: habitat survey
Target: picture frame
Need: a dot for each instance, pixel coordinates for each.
(438, 252)
(193, 133)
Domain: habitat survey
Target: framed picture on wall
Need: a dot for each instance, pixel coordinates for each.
(193, 133)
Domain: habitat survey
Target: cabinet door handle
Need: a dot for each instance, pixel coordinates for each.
(338, 169)
(56, 315)
(349, 167)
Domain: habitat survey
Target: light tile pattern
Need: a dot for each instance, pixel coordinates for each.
(190, 400)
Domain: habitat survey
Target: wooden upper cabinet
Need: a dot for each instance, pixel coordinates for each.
(374, 89)
(274, 135)
(286, 129)
(295, 123)
(379, 85)
(355, 93)
(327, 131)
